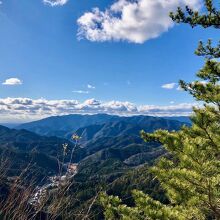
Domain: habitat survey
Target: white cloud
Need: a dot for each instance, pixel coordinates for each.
(12, 82)
(26, 109)
(169, 110)
(55, 2)
(0, 2)
(81, 91)
(127, 20)
(169, 86)
(89, 86)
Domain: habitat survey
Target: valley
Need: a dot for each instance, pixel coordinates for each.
(87, 153)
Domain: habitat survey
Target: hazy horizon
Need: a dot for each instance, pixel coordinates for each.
(17, 122)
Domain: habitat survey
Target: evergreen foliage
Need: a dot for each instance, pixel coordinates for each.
(191, 175)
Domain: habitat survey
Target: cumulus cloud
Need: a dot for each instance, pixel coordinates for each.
(89, 86)
(26, 109)
(12, 82)
(127, 20)
(55, 2)
(81, 91)
(169, 86)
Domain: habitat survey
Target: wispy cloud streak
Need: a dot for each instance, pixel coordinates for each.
(12, 82)
(55, 2)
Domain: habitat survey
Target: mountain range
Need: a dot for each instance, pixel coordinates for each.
(110, 152)
(21, 148)
(103, 137)
(65, 126)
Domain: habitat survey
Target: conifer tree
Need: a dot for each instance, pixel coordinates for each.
(190, 175)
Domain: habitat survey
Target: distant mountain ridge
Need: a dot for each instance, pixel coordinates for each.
(65, 126)
(60, 126)
(10, 125)
(185, 119)
(99, 132)
(24, 140)
(127, 126)
(21, 148)
(120, 137)
(103, 137)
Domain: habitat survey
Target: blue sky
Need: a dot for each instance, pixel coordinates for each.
(39, 47)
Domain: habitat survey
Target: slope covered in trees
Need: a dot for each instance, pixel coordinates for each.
(22, 148)
(65, 126)
(108, 155)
